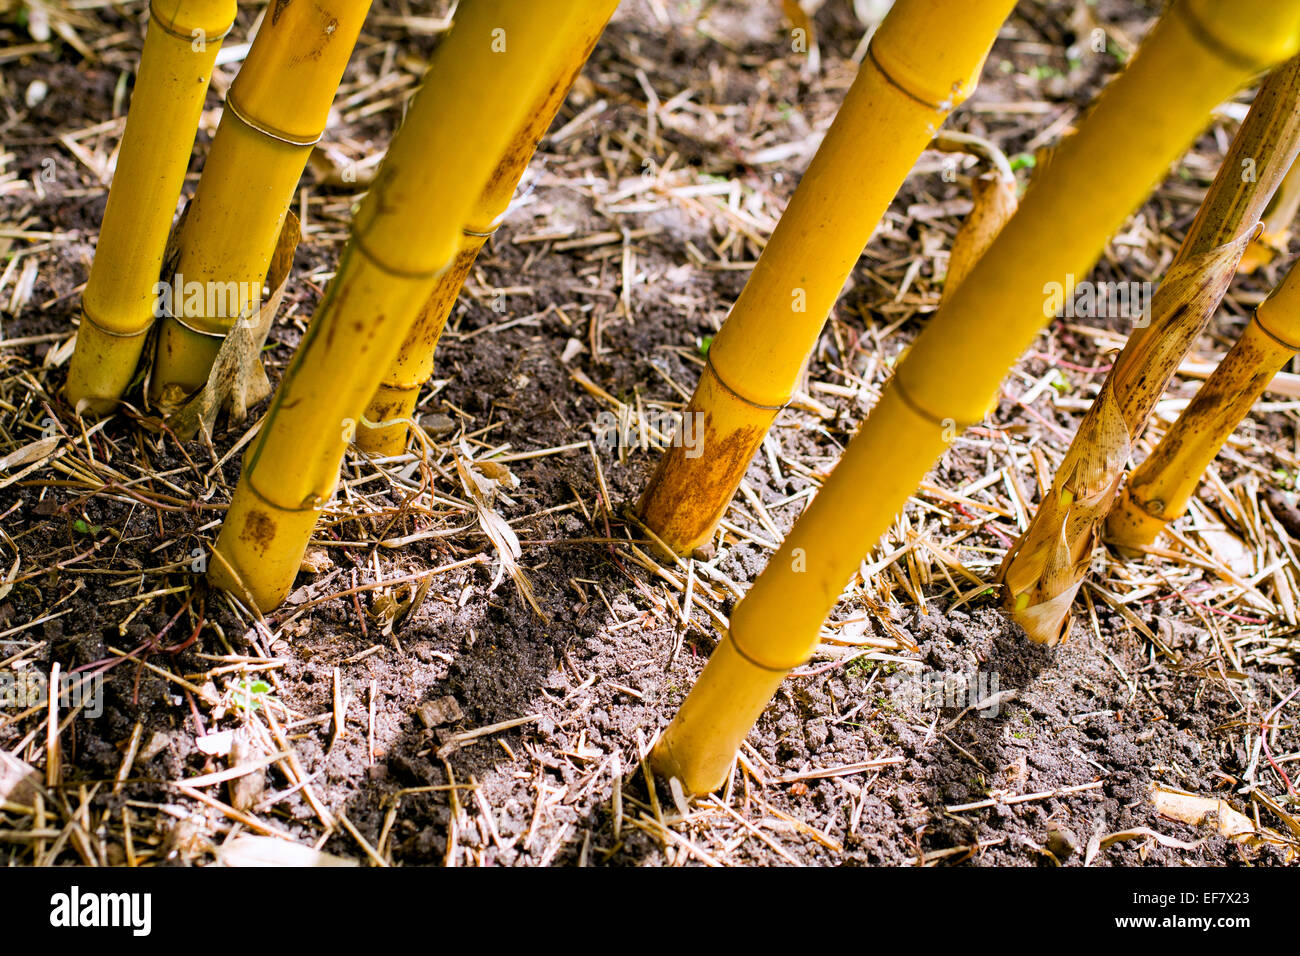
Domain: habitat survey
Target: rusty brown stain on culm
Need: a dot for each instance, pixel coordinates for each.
(259, 530)
(385, 410)
(432, 319)
(704, 485)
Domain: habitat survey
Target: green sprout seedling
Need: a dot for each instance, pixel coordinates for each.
(250, 695)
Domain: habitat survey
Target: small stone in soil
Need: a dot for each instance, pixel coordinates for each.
(437, 425)
(444, 710)
(1061, 842)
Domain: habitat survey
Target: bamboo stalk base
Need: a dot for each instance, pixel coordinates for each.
(1130, 526)
(186, 356)
(700, 744)
(692, 487)
(260, 548)
(391, 410)
(399, 393)
(101, 368)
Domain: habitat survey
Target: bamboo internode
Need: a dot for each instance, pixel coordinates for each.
(275, 112)
(1195, 57)
(1045, 568)
(1159, 489)
(384, 424)
(490, 68)
(180, 47)
(909, 83)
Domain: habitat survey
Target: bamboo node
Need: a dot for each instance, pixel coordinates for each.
(1289, 346)
(89, 319)
(422, 275)
(712, 369)
(1214, 44)
(210, 333)
(265, 129)
(313, 502)
(170, 28)
(391, 422)
(944, 106)
(772, 668)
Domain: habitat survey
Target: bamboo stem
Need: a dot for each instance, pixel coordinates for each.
(922, 63)
(1159, 489)
(490, 68)
(384, 424)
(180, 48)
(275, 112)
(950, 376)
(1044, 569)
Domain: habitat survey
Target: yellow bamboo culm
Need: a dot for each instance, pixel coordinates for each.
(180, 47)
(490, 68)
(275, 113)
(1044, 569)
(1278, 219)
(384, 424)
(1159, 488)
(923, 61)
(1196, 56)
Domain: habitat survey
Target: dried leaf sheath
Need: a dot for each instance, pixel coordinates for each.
(1047, 565)
(1266, 144)
(1278, 217)
(482, 490)
(1159, 489)
(994, 203)
(237, 380)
